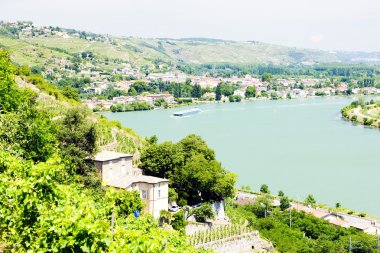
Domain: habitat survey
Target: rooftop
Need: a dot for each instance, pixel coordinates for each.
(149, 179)
(109, 155)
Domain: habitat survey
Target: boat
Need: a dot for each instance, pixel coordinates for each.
(187, 112)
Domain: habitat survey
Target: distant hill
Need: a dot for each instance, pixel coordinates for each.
(56, 47)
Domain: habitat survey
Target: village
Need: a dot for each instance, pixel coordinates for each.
(280, 88)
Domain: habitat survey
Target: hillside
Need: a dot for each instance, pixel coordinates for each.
(50, 194)
(55, 47)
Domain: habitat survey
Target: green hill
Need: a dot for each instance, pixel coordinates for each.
(59, 48)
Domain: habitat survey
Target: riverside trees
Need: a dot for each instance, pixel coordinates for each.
(192, 170)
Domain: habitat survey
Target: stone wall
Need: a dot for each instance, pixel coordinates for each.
(193, 227)
(249, 242)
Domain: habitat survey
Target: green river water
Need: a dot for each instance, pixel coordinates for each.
(299, 146)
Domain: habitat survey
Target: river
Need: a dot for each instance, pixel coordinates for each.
(298, 146)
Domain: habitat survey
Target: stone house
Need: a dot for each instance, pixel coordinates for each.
(116, 170)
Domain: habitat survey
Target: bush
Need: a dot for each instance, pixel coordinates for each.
(264, 189)
(234, 98)
(203, 212)
(367, 122)
(178, 222)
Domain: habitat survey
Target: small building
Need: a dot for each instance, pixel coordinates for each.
(240, 93)
(117, 170)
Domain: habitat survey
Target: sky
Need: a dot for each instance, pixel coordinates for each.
(345, 25)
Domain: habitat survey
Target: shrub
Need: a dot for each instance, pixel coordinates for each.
(203, 212)
(264, 189)
(178, 222)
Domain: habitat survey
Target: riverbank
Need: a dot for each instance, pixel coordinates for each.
(364, 113)
(339, 216)
(195, 102)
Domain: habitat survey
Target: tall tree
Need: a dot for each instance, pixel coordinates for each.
(197, 91)
(218, 92)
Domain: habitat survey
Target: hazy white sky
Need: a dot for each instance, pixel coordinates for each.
(322, 24)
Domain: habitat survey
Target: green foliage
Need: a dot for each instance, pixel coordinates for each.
(310, 200)
(10, 95)
(179, 223)
(284, 203)
(191, 168)
(77, 140)
(250, 92)
(234, 98)
(173, 195)
(307, 234)
(70, 93)
(266, 77)
(161, 102)
(218, 92)
(47, 87)
(197, 91)
(133, 106)
(264, 189)
(193, 144)
(320, 93)
(227, 89)
(203, 212)
(44, 207)
(161, 160)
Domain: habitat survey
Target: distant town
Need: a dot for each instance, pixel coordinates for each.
(280, 88)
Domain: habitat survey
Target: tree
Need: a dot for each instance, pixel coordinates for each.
(218, 92)
(191, 168)
(173, 195)
(310, 200)
(132, 92)
(250, 92)
(194, 144)
(281, 193)
(152, 140)
(77, 140)
(284, 203)
(197, 91)
(10, 95)
(71, 93)
(161, 160)
(202, 180)
(264, 189)
(266, 77)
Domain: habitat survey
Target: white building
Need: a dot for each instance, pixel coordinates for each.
(240, 93)
(116, 170)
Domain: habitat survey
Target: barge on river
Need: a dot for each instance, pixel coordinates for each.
(187, 112)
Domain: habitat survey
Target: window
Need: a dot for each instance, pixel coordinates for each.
(110, 164)
(144, 194)
(122, 161)
(159, 193)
